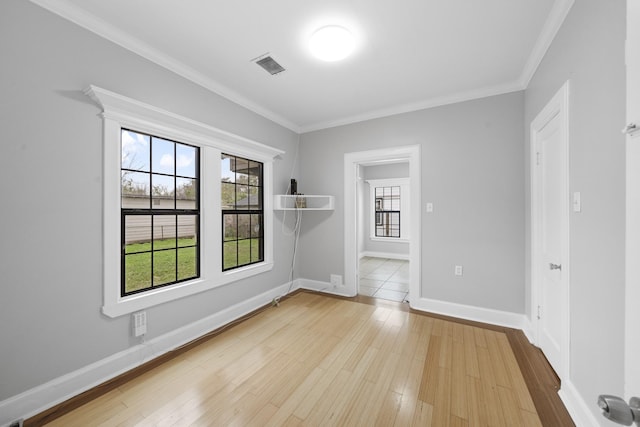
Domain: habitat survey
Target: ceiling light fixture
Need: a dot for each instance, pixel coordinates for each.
(332, 43)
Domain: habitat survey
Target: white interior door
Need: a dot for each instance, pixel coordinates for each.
(632, 335)
(552, 200)
(550, 206)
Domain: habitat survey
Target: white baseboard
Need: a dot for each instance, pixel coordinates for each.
(45, 396)
(468, 312)
(527, 329)
(319, 286)
(389, 255)
(580, 411)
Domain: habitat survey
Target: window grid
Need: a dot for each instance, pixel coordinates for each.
(160, 212)
(387, 211)
(242, 212)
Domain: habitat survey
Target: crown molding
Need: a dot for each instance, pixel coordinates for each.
(416, 106)
(107, 31)
(552, 25)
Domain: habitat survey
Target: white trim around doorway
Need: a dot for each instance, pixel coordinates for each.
(557, 106)
(352, 161)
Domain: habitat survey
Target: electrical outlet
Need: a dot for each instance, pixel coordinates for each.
(458, 270)
(336, 280)
(429, 207)
(139, 323)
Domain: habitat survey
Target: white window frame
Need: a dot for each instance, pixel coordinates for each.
(122, 112)
(405, 222)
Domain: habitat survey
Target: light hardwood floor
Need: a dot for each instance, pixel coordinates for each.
(317, 360)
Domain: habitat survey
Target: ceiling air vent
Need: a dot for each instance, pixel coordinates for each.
(270, 65)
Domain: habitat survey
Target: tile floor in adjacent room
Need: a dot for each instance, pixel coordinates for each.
(384, 278)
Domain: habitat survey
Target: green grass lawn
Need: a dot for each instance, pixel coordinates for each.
(241, 252)
(138, 261)
(138, 265)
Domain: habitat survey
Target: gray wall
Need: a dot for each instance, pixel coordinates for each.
(50, 318)
(589, 50)
(393, 170)
(472, 157)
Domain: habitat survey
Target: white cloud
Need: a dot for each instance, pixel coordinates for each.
(167, 160)
(184, 161)
(133, 141)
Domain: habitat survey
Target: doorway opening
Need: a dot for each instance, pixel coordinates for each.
(362, 262)
(384, 278)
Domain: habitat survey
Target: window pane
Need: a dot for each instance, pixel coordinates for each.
(137, 272)
(242, 191)
(244, 226)
(386, 204)
(255, 173)
(240, 167)
(228, 196)
(228, 174)
(135, 151)
(230, 231)
(186, 160)
(153, 188)
(187, 231)
(256, 250)
(164, 267)
(229, 254)
(135, 190)
(242, 177)
(244, 252)
(186, 193)
(137, 233)
(242, 197)
(256, 225)
(164, 232)
(395, 195)
(162, 160)
(162, 190)
(255, 199)
(187, 263)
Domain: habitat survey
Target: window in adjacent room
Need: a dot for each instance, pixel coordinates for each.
(387, 211)
(242, 212)
(160, 212)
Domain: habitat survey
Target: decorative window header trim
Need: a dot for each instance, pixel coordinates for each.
(121, 112)
(132, 112)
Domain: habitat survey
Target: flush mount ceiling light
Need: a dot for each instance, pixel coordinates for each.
(332, 43)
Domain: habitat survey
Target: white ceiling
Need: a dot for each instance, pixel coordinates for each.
(411, 54)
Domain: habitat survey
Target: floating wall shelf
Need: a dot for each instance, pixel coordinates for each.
(303, 202)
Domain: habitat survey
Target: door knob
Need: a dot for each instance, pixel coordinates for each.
(617, 410)
(553, 266)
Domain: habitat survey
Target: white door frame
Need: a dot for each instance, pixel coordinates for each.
(632, 279)
(557, 106)
(351, 163)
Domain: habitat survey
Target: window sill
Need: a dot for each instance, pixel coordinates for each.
(245, 272)
(130, 304)
(389, 239)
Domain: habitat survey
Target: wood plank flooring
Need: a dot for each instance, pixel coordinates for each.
(320, 361)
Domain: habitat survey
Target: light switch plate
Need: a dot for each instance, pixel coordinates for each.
(577, 202)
